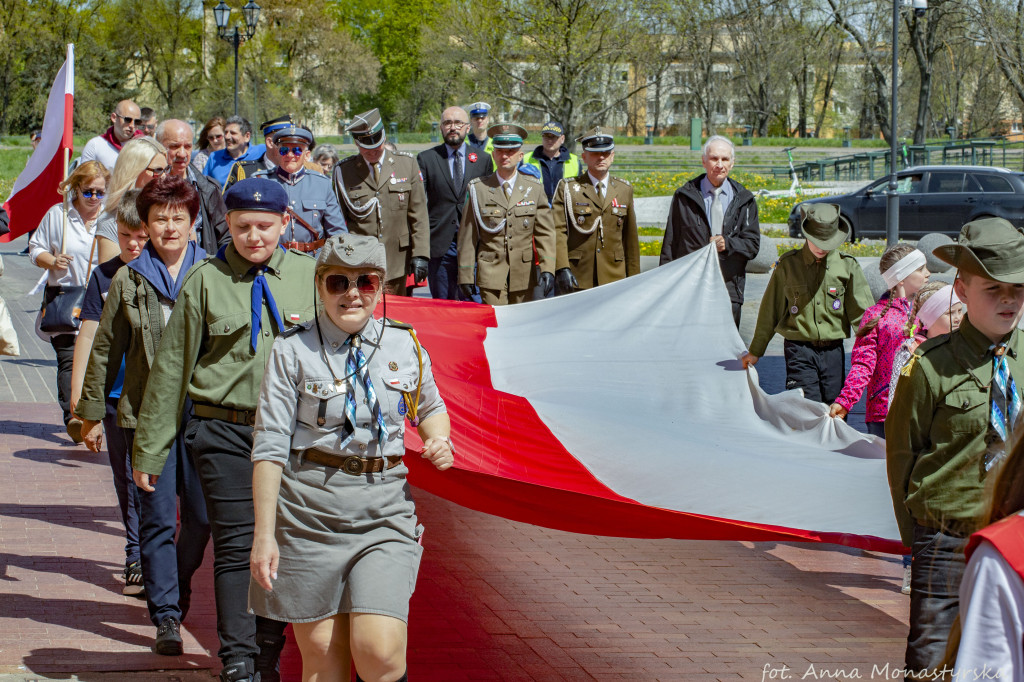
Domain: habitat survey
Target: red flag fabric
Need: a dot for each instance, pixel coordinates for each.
(624, 411)
(35, 190)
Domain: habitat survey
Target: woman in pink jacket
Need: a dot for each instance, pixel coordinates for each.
(880, 336)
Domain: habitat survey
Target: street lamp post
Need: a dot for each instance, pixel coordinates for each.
(222, 15)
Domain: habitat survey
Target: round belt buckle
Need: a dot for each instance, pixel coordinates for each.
(352, 465)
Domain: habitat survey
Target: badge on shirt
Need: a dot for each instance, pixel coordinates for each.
(294, 317)
(393, 366)
(402, 409)
(471, 157)
(836, 304)
(794, 310)
(832, 291)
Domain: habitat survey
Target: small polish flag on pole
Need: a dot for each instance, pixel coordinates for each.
(35, 190)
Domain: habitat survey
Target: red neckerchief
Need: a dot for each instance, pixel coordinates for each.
(111, 138)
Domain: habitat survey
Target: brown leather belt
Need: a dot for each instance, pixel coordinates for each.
(224, 414)
(304, 247)
(352, 464)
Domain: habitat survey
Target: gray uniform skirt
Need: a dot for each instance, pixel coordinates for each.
(348, 544)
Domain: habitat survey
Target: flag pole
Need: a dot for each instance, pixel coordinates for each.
(64, 202)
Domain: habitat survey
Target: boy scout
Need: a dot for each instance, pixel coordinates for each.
(381, 194)
(315, 214)
(595, 221)
(812, 299)
(214, 351)
(950, 425)
(507, 216)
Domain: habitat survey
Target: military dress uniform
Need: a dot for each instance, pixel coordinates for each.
(943, 448)
(214, 350)
(813, 304)
(387, 202)
(499, 233)
(247, 169)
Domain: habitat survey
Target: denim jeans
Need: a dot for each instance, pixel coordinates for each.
(935, 576)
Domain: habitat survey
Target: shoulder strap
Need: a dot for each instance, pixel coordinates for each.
(1007, 536)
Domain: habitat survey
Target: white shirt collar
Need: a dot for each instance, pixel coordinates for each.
(594, 181)
(380, 161)
(515, 176)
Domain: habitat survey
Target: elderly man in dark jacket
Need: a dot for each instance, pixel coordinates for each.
(711, 208)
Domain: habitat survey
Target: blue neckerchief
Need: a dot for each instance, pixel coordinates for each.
(149, 265)
(260, 292)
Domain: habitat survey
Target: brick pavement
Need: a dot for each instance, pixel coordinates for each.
(496, 600)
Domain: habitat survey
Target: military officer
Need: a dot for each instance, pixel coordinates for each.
(479, 137)
(595, 221)
(214, 350)
(269, 159)
(507, 216)
(315, 214)
(381, 194)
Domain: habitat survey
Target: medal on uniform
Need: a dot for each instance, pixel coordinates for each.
(836, 304)
(393, 366)
(576, 187)
(794, 310)
(526, 222)
(581, 220)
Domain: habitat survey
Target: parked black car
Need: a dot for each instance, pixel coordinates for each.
(932, 199)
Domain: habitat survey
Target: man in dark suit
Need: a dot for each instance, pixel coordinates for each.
(447, 170)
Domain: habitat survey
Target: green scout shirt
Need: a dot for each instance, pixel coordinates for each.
(811, 300)
(935, 431)
(206, 351)
(130, 327)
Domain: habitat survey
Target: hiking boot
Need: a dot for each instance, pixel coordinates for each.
(239, 671)
(168, 638)
(133, 586)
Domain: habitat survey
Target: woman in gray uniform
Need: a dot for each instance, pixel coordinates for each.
(337, 546)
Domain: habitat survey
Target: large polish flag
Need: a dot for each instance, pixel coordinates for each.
(624, 411)
(35, 190)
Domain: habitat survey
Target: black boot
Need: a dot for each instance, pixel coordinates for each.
(268, 660)
(239, 670)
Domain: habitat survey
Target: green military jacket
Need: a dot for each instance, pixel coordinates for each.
(936, 428)
(130, 327)
(811, 300)
(206, 352)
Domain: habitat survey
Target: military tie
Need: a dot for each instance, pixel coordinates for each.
(376, 172)
(600, 189)
(717, 212)
(261, 291)
(1006, 406)
(507, 186)
(457, 169)
(356, 367)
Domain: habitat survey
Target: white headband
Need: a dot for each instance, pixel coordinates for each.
(903, 267)
(937, 305)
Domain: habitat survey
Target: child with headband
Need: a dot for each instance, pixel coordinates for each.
(880, 336)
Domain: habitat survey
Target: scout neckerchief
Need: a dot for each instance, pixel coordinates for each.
(260, 292)
(1005, 407)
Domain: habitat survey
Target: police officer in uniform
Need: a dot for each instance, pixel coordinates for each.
(381, 194)
(479, 115)
(214, 350)
(595, 221)
(269, 160)
(506, 217)
(315, 214)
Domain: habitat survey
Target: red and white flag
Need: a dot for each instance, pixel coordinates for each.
(35, 190)
(624, 411)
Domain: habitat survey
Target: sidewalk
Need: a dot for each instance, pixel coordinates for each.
(495, 600)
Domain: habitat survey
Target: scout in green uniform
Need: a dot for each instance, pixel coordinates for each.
(214, 351)
(381, 195)
(507, 216)
(595, 221)
(950, 425)
(813, 298)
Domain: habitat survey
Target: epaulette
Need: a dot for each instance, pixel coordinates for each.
(622, 180)
(844, 255)
(788, 254)
(294, 329)
(300, 253)
(475, 180)
(349, 158)
(932, 343)
(404, 154)
(261, 173)
(396, 324)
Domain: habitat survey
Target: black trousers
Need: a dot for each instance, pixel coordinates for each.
(221, 451)
(818, 370)
(64, 347)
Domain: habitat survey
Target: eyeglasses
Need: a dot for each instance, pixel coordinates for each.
(129, 121)
(340, 284)
(159, 171)
(295, 151)
(90, 193)
(453, 124)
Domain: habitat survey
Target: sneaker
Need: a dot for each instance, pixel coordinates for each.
(238, 671)
(168, 638)
(906, 580)
(133, 586)
(74, 429)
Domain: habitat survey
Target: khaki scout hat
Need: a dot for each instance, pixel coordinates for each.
(367, 129)
(988, 247)
(824, 226)
(507, 135)
(356, 251)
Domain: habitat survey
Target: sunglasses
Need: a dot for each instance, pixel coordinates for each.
(90, 193)
(129, 121)
(340, 284)
(159, 171)
(295, 151)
